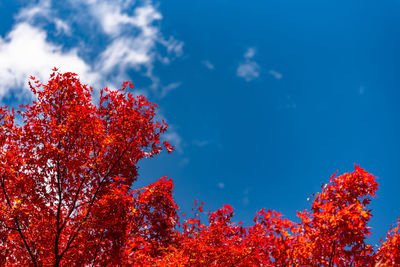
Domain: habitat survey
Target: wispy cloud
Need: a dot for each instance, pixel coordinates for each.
(248, 69)
(208, 64)
(276, 74)
(250, 53)
(166, 89)
(131, 40)
(33, 11)
(173, 46)
(43, 10)
(107, 41)
(221, 185)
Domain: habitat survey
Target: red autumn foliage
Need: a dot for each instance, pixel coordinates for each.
(66, 197)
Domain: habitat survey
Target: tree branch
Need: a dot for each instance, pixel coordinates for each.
(18, 229)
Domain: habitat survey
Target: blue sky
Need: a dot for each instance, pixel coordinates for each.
(265, 100)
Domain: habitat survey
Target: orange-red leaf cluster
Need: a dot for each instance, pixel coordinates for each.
(67, 198)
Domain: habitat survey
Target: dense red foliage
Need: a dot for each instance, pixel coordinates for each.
(66, 197)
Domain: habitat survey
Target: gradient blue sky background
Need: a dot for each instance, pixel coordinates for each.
(265, 99)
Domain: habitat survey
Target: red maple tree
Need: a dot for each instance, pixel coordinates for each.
(66, 197)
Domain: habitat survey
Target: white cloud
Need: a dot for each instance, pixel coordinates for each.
(62, 26)
(248, 69)
(127, 50)
(221, 185)
(113, 19)
(132, 39)
(173, 46)
(208, 64)
(250, 53)
(133, 43)
(124, 53)
(32, 11)
(42, 10)
(276, 74)
(25, 51)
(166, 89)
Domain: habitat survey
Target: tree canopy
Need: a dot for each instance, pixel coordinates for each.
(67, 171)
